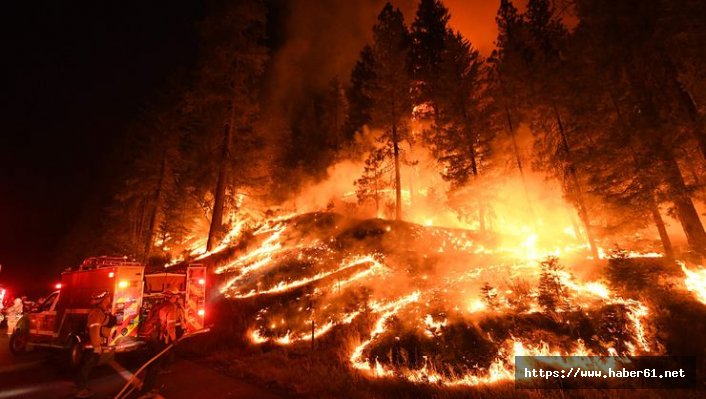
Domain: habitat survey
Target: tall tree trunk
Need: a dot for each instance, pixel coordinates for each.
(685, 210)
(216, 227)
(686, 100)
(578, 192)
(139, 224)
(156, 204)
(652, 202)
(695, 123)
(377, 197)
(412, 174)
(474, 170)
(398, 184)
(518, 159)
(571, 211)
(663, 236)
(412, 194)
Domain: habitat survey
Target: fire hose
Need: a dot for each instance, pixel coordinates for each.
(133, 382)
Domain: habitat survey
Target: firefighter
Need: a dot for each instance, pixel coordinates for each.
(98, 327)
(164, 318)
(14, 313)
(181, 317)
(168, 317)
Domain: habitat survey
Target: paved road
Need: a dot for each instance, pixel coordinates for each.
(38, 375)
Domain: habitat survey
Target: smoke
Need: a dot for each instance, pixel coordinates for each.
(323, 40)
(524, 213)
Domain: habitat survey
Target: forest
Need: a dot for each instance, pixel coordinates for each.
(436, 211)
(608, 111)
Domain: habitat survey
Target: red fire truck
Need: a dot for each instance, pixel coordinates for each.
(59, 322)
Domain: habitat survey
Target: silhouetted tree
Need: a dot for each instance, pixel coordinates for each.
(233, 57)
(390, 94)
(374, 181)
(461, 135)
(428, 41)
(646, 93)
(358, 93)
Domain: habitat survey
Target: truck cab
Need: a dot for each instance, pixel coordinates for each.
(59, 322)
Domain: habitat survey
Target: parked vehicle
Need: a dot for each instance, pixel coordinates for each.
(59, 322)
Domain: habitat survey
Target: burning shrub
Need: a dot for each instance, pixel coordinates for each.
(489, 295)
(520, 296)
(551, 289)
(457, 350)
(613, 328)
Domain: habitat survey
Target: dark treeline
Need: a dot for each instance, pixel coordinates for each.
(614, 105)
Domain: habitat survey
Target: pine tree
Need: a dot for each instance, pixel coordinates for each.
(460, 137)
(228, 87)
(646, 92)
(335, 109)
(374, 181)
(390, 94)
(358, 93)
(138, 207)
(507, 79)
(551, 289)
(428, 41)
(538, 44)
(489, 295)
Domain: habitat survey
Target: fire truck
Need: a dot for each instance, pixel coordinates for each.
(59, 322)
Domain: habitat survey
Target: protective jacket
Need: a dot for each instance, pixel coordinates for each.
(168, 316)
(98, 326)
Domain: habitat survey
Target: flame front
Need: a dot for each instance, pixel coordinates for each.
(695, 282)
(420, 289)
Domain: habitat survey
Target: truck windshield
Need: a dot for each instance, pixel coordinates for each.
(47, 302)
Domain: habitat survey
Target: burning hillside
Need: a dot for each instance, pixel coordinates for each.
(438, 305)
(449, 209)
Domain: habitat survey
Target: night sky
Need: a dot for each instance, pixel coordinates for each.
(75, 73)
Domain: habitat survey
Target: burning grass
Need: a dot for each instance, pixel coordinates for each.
(323, 303)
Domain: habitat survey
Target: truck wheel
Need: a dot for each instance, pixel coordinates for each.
(75, 354)
(18, 341)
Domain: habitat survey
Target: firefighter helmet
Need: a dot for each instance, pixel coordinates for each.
(97, 298)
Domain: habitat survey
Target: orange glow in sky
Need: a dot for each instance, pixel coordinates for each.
(476, 20)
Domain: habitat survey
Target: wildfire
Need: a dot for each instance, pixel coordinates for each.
(319, 283)
(433, 327)
(501, 369)
(283, 286)
(257, 258)
(695, 282)
(256, 336)
(388, 310)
